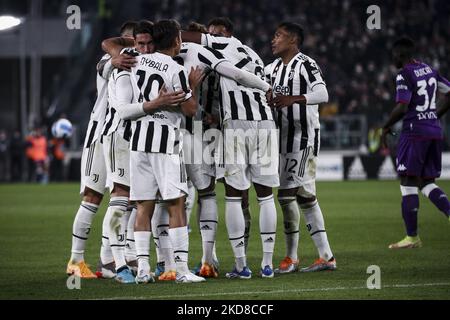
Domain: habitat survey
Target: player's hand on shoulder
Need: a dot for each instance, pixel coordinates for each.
(195, 77)
(170, 98)
(124, 61)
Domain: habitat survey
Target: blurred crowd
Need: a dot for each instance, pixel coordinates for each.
(355, 60)
(35, 158)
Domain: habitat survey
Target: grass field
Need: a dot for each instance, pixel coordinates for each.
(362, 218)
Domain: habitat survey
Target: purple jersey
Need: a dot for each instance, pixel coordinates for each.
(417, 84)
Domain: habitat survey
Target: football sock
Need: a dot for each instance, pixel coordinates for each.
(316, 227)
(410, 208)
(130, 248)
(106, 256)
(291, 215)
(190, 200)
(116, 230)
(268, 228)
(142, 241)
(155, 223)
(208, 224)
(248, 223)
(234, 220)
(438, 197)
(165, 244)
(81, 228)
(180, 242)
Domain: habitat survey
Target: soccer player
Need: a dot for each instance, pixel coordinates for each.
(116, 137)
(223, 26)
(209, 60)
(419, 149)
(156, 160)
(298, 89)
(249, 134)
(93, 169)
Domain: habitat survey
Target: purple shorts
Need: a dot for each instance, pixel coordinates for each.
(419, 157)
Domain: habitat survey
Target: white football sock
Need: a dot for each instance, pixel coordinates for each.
(291, 215)
(268, 228)
(116, 230)
(165, 244)
(190, 201)
(208, 225)
(180, 242)
(130, 248)
(316, 227)
(106, 256)
(142, 242)
(248, 223)
(155, 222)
(234, 219)
(81, 228)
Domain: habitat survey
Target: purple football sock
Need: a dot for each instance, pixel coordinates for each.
(440, 200)
(410, 208)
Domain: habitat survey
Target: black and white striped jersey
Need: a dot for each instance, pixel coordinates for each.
(158, 131)
(98, 114)
(193, 55)
(113, 122)
(239, 102)
(298, 124)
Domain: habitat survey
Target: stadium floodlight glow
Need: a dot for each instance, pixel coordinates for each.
(8, 22)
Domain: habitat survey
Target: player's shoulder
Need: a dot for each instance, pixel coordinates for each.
(106, 56)
(304, 58)
(130, 51)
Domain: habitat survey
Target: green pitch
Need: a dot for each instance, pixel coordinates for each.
(362, 218)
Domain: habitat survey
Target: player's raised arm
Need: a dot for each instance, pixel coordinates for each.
(113, 46)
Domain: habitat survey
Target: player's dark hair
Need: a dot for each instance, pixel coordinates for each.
(128, 27)
(405, 47)
(165, 32)
(222, 21)
(197, 27)
(143, 26)
(294, 29)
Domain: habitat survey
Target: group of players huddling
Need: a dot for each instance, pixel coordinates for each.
(157, 86)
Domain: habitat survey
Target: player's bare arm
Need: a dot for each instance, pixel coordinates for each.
(396, 115)
(114, 46)
(445, 107)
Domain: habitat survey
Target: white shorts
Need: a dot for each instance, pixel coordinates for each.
(251, 153)
(155, 176)
(198, 171)
(117, 157)
(200, 175)
(298, 170)
(93, 168)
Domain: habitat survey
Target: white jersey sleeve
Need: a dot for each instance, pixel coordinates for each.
(312, 73)
(105, 67)
(124, 91)
(180, 82)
